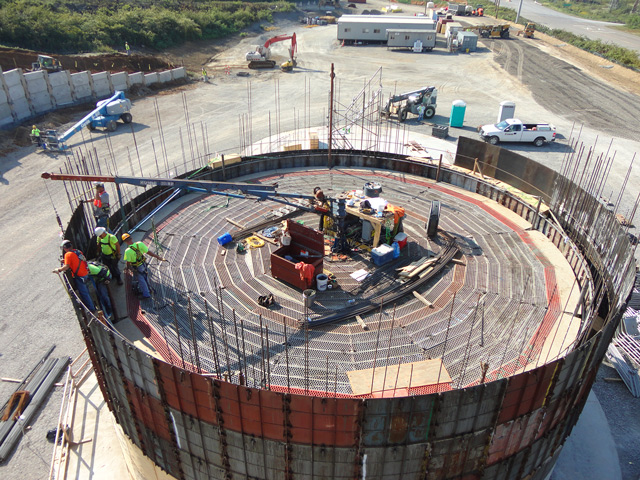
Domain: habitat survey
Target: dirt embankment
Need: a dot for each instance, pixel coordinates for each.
(113, 62)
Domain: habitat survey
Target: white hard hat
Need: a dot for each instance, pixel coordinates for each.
(100, 230)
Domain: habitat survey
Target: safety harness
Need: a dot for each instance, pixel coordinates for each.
(139, 256)
(109, 237)
(81, 257)
(104, 274)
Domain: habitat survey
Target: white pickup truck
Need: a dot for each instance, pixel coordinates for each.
(513, 130)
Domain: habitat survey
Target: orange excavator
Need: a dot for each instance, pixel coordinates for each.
(260, 58)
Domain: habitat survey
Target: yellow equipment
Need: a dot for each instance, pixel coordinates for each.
(529, 29)
(288, 65)
(499, 31)
(491, 31)
(254, 242)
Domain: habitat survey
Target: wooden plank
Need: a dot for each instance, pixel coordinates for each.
(361, 322)
(233, 222)
(398, 376)
(422, 299)
(266, 239)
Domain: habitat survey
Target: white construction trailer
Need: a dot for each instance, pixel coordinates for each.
(373, 28)
(418, 40)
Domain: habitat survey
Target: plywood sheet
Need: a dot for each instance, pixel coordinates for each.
(423, 373)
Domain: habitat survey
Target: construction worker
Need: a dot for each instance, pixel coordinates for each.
(127, 48)
(480, 11)
(421, 109)
(101, 277)
(134, 256)
(109, 251)
(205, 78)
(74, 260)
(101, 206)
(321, 205)
(35, 135)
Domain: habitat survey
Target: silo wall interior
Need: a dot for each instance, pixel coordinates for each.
(196, 426)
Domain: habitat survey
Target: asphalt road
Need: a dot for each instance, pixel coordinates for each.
(592, 29)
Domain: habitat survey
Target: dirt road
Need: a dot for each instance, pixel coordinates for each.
(567, 89)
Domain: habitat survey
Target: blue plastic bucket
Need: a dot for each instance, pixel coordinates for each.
(224, 239)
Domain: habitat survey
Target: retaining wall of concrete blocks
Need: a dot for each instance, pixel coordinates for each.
(26, 94)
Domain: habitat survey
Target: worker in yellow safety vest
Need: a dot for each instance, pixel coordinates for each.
(127, 48)
(35, 135)
(205, 77)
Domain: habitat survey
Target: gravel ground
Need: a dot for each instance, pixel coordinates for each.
(36, 312)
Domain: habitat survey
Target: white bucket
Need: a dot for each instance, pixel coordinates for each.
(286, 239)
(321, 282)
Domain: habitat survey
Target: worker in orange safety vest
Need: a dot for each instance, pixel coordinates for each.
(101, 208)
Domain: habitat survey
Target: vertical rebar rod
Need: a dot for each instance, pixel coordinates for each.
(411, 379)
(386, 363)
(264, 380)
(467, 351)
(223, 325)
(375, 355)
(166, 340)
(329, 158)
(306, 355)
(235, 328)
(326, 378)
(193, 334)
(286, 352)
(175, 322)
(244, 351)
(395, 385)
(513, 323)
(446, 337)
(214, 346)
(266, 329)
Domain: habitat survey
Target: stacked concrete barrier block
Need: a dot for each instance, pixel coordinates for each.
(136, 79)
(60, 84)
(150, 78)
(101, 84)
(17, 94)
(119, 81)
(23, 95)
(6, 117)
(82, 86)
(164, 77)
(178, 73)
(38, 91)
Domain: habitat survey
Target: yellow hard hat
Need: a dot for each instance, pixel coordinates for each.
(34, 126)
(125, 236)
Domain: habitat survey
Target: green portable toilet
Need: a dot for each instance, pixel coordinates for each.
(458, 108)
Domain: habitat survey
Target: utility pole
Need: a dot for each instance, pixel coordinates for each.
(519, 9)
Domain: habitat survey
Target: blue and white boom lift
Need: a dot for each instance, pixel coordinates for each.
(105, 115)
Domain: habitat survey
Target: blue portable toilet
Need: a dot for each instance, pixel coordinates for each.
(458, 108)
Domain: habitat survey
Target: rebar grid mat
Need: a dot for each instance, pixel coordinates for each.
(485, 308)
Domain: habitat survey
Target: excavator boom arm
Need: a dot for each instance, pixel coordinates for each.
(280, 38)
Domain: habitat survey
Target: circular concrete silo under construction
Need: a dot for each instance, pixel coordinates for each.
(476, 366)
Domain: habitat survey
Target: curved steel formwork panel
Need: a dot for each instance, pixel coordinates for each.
(197, 426)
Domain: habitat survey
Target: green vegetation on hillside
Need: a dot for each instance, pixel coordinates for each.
(618, 11)
(65, 26)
